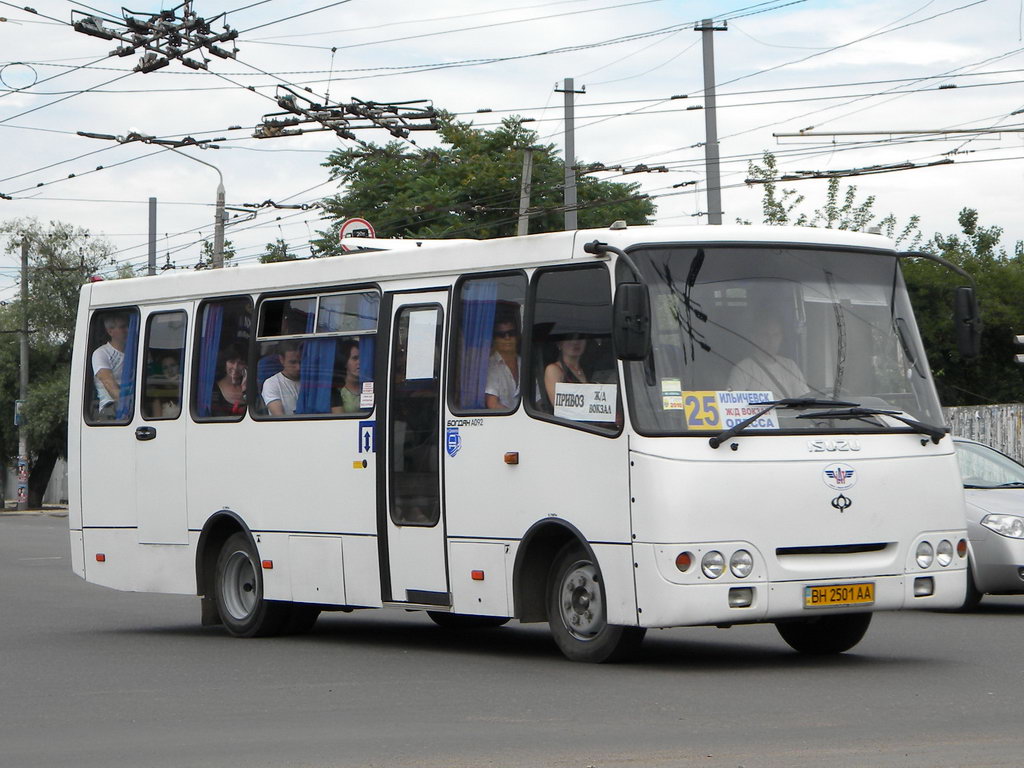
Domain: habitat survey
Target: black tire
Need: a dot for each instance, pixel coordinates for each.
(577, 614)
(465, 621)
(825, 635)
(973, 597)
(238, 592)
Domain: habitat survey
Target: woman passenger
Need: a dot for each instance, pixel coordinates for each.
(228, 398)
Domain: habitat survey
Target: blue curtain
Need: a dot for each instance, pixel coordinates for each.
(126, 396)
(209, 349)
(479, 300)
(316, 376)
(369, 307)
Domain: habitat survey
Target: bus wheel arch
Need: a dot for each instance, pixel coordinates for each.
(534, 558)
(215, 532)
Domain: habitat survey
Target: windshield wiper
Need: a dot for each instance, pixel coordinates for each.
(796, 403)
(1013, 484)
(935, 433)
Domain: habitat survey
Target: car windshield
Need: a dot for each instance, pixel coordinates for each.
(984, 467)
(733, 326)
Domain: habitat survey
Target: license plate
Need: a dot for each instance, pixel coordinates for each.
(829, 595)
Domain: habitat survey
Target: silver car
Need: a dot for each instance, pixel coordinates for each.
(994, 488)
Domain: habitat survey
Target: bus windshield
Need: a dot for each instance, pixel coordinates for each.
(734, 326)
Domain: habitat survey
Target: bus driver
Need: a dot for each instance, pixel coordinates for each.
(766, 369)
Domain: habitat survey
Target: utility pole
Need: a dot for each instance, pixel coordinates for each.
(23, 390)
(570, 153)
(218, 227)
(707, 29)
(152, 237)
(525, 188)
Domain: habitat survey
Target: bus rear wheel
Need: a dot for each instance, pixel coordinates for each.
(577, 614)
(825, 635)
(238, 592)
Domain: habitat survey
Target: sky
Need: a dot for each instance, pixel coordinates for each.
(899, 75)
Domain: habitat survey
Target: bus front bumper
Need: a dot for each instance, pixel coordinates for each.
(729, 600)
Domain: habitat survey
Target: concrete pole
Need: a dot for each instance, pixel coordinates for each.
(218, 230)
(525, 188)
(714, 178)
(23, 389)
(570, 152)
(152, 236)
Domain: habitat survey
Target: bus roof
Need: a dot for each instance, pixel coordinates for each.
(420, 259)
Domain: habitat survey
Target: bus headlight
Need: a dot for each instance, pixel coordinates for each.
(944, 553)
(1005, 525)
(713, 564)
(741, 563)
(925, 554)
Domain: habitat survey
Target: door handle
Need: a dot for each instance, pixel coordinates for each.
(145, 433)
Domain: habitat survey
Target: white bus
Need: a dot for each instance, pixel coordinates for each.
(608, 430)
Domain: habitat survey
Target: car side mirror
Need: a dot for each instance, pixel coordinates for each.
(968, 322)
(631, 322)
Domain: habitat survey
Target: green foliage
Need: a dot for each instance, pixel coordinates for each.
(467, 188)
(206, 252)
(841, 210)
(277, 251)
(993, 377)
(61, 259)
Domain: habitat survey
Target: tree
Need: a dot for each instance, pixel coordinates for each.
(206, 252)
(277, 251)
(61, 259)
(993, 377)
(840, 210)
(469, 187)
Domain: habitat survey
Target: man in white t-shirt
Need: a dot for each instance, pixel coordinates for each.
(766, 369)
(108, 363)
(281, 391)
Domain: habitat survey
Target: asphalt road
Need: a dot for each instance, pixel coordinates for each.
(92, 677)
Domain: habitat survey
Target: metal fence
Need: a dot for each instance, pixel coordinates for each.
(1001, 426)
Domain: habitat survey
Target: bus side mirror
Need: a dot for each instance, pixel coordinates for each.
(631, 322)
(968, 322)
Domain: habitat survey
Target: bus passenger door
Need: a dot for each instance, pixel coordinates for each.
(414, 567)
(159, 430)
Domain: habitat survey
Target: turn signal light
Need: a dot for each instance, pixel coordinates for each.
(268, 565)
(100, 557)
(476, 575)
(512, 457)
(961, 547)
(683, 561)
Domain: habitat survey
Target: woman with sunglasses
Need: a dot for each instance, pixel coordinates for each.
(502, 390)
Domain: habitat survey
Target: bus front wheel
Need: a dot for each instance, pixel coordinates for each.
(825, 635)
(577, 614)
(238, 591)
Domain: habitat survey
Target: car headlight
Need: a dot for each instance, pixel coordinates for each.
(925, 554)
(713, 564)
(741, 563)
(1005, 525)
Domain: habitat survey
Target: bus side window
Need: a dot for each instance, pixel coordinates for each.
(488, 346)
(220, 377)
(573, 370)
(110, 370)
(164, 362)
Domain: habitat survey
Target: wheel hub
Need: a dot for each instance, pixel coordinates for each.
(580, 606)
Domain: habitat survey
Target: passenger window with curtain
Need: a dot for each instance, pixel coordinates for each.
(163, 365)
(222, 368)
(110, 370)
(573, 370)
(315, 355)
(488, 344)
